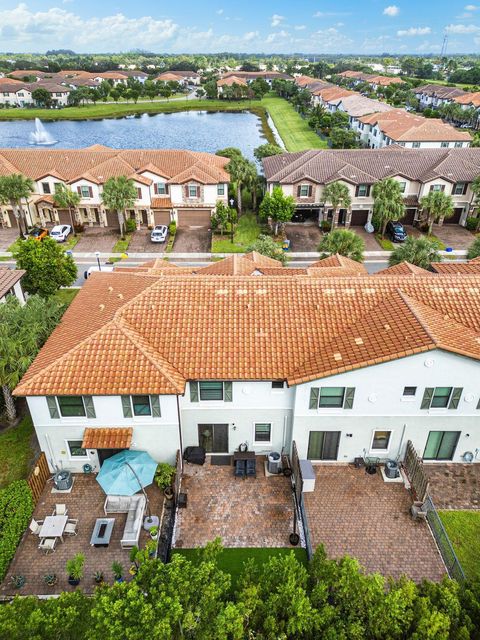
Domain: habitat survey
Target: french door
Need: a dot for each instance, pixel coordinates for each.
(323, 445)
(441, 445)
(213, 437)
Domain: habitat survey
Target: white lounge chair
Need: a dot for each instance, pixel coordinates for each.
(35, 526)
(60, 510)
(71, 527)
(47, 544)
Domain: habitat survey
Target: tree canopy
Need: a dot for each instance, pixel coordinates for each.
(418, 251)
(119, 194)
(344, 242)
(267, 150)
(436, 206)
(278, 207)
(267, 246)
(387, 202)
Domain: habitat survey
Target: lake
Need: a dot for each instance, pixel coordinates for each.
(194, 130)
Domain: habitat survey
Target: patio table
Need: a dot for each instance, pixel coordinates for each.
(53, 527)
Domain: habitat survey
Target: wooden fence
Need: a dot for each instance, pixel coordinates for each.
(416, 473)
(39, 476)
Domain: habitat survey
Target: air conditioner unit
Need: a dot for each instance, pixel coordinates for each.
(274, 462)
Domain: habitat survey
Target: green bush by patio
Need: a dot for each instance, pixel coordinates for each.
(15, 452)
(16, 508)
(463, 529)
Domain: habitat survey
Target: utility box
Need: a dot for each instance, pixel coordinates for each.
(308, 475)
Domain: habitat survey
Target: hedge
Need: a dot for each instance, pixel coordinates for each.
(16, 508)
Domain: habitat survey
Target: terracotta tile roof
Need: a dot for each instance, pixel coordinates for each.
(107, 438)
(332, 93)
(339, 261)
(403, 269)
(439, 91)
(8, 278)
(472, 99)
(357, 105)
(161, 203)
(457, 267)
(230, 81)
(261, 260)
(133, 333)
(399, 125)
(168, 76)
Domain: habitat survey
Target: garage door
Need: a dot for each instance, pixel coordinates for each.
(112, 219)
(161, 217)
(63, 216)
(194, 217)
(359, 218)
(409, 216)
(455, 219)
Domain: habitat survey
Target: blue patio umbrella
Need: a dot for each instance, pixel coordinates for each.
(126, 472)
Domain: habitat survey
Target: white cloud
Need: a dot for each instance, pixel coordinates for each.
(462, 28)
(414, 31)
(219, 12)
(330, 14)
(330, 38)
(392, 11)
(276, 20)
(470, 7)
(250, 35)
(300, 27)
(278, 35)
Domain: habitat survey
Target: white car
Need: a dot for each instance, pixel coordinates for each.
(61, 232)
(159, 233)
(104, 268)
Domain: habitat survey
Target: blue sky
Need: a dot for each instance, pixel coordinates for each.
(371, 26)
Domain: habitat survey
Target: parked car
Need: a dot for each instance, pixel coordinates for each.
(159, 233)
(38, 233)
(396, 231)
(104, 268)
(60, 232)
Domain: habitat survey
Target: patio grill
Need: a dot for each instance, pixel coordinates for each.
(62, 480)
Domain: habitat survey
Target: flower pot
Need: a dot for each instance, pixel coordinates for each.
(168, 493)
(73, 581)
(294, 539)
(121, 579)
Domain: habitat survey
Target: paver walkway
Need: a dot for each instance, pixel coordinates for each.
(254, 512)
(454, 486)
(354, 513)
(193, 240)
(97, 239)
(7, 236)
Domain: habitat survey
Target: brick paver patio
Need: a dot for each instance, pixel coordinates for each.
(254, 512)
(8, 235)
(354, 513)
(454, 486)
(85, 502)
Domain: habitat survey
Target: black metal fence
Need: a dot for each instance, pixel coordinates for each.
(297, 481)
(450, 559)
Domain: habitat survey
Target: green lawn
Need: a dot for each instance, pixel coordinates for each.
(294, 131)
(15, 452)
(387, 245)
(122, 245)
(65, 296)
(246, 233)
(463, 529)
(232, 560)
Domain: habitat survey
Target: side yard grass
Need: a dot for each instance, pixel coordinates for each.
(463, 529)
(232, 560)
(16, 452)
(294, 131)
(246, 233)
(65, 296)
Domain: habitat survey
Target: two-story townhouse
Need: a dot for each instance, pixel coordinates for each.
(147, 362)
(10, 284)
(434, 95)
(183, 186)
(303, 175)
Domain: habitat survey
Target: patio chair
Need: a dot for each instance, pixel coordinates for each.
(35, 526)
(47, 544)
(251, 468)
(60, 510)
(240, 468)
(71, 527)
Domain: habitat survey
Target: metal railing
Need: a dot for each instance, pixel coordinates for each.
(454, 568)
(298, 497)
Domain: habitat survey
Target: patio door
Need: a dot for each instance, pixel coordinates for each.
(213, 437)
(323, 445)
(103, 454)
(441, 445)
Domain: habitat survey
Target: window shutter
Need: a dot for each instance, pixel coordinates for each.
(155, 188)
(465, 187)
(166, 189)
(349, 396)
(309, 190)
(52, 407)
(90, 192)
(198, 192)
(367, 193)
(227, 392)
(186, 191)
(427, 398)
(299, 190)
(139, 193)
(127, 407)
(155, 402)
(314, 395)
(89, 406)
(455, 399)
(193, 391)
(357, 188)
(79, 191)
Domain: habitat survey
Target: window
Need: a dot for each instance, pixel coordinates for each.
(460, 189)
(71, 406)
(304, 190)
(409, 391)
(139, 193)
(458, 144)
(362, 190)
(441, 397)
(220, 189)
(381, 440)
(192, 191)
(278, 384)
(86, 192)
(161, 188)
(211, 390)
(141, 406)
(323, 445)
(444, 144)
(45, 187)
(441, 445)
(263, 432)
(415, 145)
(331, 397)
(437, 187)
(403, 186)
(76, 450)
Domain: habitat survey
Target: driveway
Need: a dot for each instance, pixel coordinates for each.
(193, 240)
(97, 239)
(453, 235)
(7, 236)
(140, 243)
(351, 512)
(303, 236)
(369, 239)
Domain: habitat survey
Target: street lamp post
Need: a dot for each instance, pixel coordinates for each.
(97, 253)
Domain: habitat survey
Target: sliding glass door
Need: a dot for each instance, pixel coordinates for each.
(323, 445)
(213, 437)
(441, 445)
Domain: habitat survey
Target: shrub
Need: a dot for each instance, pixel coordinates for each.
(326, 226)
(130, 225)
(474, 250)
(16, 508)
(74, 566)
(79, 228)
(344, 242)
(164, 475)
(472, 223)
(172, 228)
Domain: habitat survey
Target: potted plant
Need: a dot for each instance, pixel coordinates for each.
(75, 569)
(154, 533)
(50, 579)
(98, 577)
(117, 569)
(18, 581)
(163, 478)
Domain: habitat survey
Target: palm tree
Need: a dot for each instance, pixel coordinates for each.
(475, 187)
(387, 201)
(337, 194)
(67, 199)
(119, 194)
(437, 206)
(418, 251)
(252, 182)
(343, 242)
(14, 189)
(239, 168)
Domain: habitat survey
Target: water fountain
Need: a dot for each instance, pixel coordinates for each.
(41, 136)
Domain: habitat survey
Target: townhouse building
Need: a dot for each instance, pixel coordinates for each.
(355, 78)
(434, 95)
(251, 76)
(14, 93)
(345, 366)
(304, 175)
(181, 186)
(184, 78)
